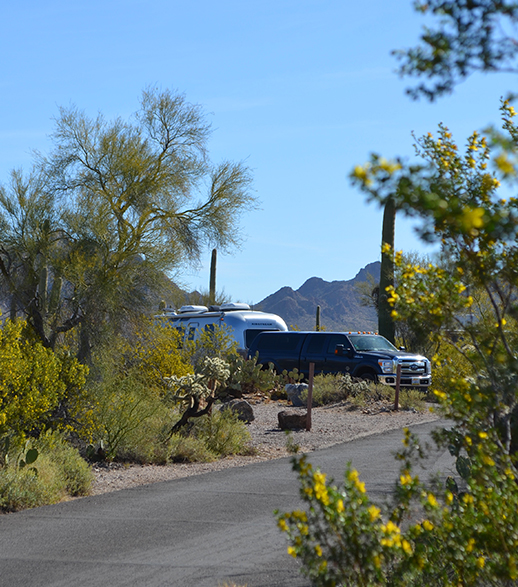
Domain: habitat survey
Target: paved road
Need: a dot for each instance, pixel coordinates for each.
(199, 531)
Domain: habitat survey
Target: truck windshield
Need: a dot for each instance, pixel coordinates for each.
(371, 343)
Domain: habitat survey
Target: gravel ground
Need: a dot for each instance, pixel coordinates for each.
(330, 425)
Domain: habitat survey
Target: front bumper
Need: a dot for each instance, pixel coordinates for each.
(406, 380)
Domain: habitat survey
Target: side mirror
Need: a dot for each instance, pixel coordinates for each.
(339, 350)
(402, 348)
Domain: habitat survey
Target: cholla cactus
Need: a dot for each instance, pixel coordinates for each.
(215, 369)
(198, 391)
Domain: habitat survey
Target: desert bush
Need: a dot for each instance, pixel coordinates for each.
(74, 470)
(33, 380)
(246, 376)
(124, 416)
(58, 472)
(122, 406)
(155, 351)
(188, 449)
(214, 342)
(210, 437)
(329, 389)
(223, 433)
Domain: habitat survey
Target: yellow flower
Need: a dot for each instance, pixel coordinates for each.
(318, 550)
(374, 512)
(431, 500)
(282, 525)
(481, 561)
(390, 528)
(505, 166)
(427, 525)
(472, 218)
(405, 479)
(340, 506)
(292, 552)
(482, 434)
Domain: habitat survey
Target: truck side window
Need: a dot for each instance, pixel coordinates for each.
(279, 342)
(316, 343)
(335, 339)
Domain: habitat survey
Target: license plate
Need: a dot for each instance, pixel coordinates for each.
(415, 381)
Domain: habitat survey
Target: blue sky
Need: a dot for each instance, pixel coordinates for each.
(300, 90)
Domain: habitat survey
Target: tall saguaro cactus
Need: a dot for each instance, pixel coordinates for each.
(212, 284)
(386, 325)
(317, 325)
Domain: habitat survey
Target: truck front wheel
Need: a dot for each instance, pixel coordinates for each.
(369, 376)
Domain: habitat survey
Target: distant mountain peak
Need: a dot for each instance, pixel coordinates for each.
(340, 303)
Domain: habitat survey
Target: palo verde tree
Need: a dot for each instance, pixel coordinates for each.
(469, 36)
(113, 207)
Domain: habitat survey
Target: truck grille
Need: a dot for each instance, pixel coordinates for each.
(411, 367)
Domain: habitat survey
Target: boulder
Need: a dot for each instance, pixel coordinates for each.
(291, 420)
(242, 408)
(294, 392)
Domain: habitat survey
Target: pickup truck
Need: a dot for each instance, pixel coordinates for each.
(363, 355)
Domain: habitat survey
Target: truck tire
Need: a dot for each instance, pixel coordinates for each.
(369, 376)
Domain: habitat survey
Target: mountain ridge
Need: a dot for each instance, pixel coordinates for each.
(339, 301)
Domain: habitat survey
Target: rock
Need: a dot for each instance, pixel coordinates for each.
(242, 408)
(291, 420)
(294, 392)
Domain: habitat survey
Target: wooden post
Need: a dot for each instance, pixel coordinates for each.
(310, 396)
(398, 383)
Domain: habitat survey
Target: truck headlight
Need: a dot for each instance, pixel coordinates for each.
(387, 366)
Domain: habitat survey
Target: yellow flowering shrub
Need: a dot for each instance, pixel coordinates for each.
(33, 380)
(465, 530)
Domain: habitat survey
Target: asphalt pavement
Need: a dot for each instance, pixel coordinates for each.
(201, 531)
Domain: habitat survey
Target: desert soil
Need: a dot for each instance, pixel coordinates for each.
(330, 425)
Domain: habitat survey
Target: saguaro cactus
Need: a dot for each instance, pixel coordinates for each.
(317, 325)
(212, 284)
(386, 325)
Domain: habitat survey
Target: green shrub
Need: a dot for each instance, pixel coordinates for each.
(209, 437)
(189, 449)
(122, 407)
(223, 433)
(59, 472)
(75, 472)
(330, 389)
(23, 488)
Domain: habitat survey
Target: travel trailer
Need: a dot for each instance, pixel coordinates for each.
(244, 324)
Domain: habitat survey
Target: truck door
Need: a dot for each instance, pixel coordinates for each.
(335, 362)
(314, 351)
